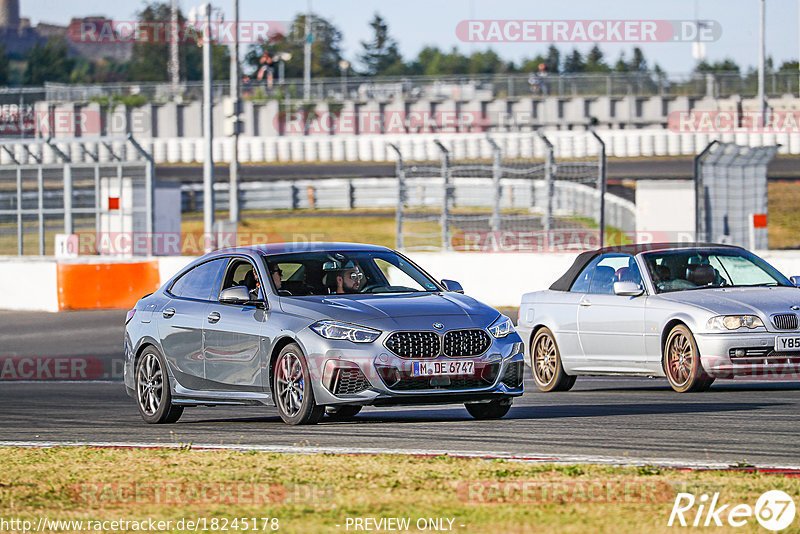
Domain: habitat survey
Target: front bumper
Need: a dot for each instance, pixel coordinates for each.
(369, 374)
(751, 354)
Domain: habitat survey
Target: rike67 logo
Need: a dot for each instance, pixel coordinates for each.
(774, 510)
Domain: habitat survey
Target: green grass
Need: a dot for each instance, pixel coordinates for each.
(316, 492)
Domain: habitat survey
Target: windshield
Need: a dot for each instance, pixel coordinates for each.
(345, 272)
(679, 270)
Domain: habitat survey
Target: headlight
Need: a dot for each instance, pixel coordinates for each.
(734, 322)
(501, 327)
(349, 332)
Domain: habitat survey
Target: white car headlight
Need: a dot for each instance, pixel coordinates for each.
(349, 332)
(734, 322)
(501, 327)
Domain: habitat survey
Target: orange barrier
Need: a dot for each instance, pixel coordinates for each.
(83, 286)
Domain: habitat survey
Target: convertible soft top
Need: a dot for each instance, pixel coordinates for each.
(583, 259)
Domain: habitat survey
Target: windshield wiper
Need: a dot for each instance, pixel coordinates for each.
(765, 284)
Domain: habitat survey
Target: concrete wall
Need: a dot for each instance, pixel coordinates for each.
(266, 117)
(496, 279)
(375, 147)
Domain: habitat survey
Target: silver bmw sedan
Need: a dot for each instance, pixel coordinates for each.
(690, 313)
(316, 328)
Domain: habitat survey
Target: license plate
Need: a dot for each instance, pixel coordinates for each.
(787, 343)
(443, 368)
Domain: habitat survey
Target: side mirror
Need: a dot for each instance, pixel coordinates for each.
(452, 285)
(795, 280)
(627, 289)
(235, 295)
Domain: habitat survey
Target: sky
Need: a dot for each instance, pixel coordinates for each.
(417, 23)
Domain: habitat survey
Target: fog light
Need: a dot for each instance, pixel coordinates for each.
(740, 352)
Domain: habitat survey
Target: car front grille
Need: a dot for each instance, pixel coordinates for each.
(350, 382)
(464, 343)
(513, 375)
(414, 344)
(785, 321)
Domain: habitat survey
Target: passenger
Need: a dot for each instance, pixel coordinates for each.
(252, 283)
(276, 272)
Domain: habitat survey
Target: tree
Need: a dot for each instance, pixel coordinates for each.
(48, 63)
(638, 62)
(150, 61)
(621, 65)
(486, 63)
(726, 65)
(574, 62)
(432, 61)
(380, 54)
(595, 61)
(553, 59)
(326, 48)
(4, 66)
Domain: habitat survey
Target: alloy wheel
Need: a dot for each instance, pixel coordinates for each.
(680, 358)
(291, 384)
(150, 383)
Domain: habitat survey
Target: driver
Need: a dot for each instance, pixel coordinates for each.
(348, 280)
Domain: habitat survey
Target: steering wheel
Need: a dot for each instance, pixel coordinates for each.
(370, 288)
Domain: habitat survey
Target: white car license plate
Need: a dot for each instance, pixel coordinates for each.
(443, 368)
(787, 343)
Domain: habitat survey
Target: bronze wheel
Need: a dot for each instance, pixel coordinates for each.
(682, 362)
(548, 373)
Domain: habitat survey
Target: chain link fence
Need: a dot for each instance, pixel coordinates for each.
(48, 188)
(731, 194)
(524, 201)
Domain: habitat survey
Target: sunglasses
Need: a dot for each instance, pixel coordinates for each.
(280, 273)
(356, 276)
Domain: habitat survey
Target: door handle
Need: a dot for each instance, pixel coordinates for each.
(213, 317)
(169, 312)
(585, 303)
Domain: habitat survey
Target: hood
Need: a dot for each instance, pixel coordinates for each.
(763, 301)
(391, 312)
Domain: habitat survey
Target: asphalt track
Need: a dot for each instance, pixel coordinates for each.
(620, 419)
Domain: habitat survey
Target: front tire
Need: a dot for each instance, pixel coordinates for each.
(548, 372)
(682, 364)
(495, 409)
(294, 394)
(153, 395)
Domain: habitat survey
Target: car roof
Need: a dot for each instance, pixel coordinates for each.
(269, 249)
(583, 259)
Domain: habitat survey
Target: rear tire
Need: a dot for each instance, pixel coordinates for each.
(548, 372)
(495, 409)
(682, 363)
(153, 395)
(342, 413)
(293, 392)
